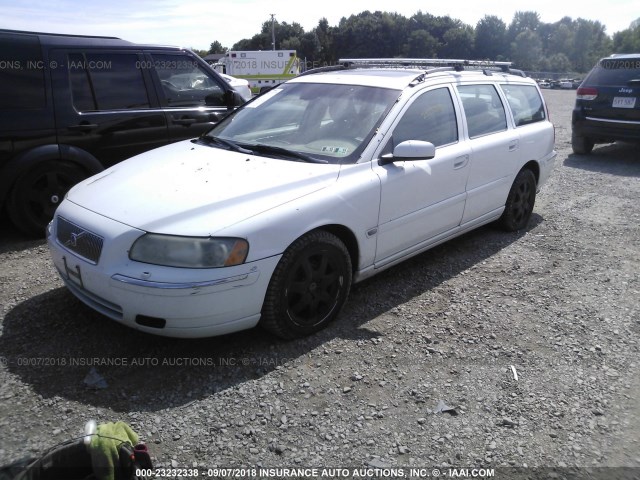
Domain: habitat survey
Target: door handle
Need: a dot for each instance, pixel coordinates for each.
(461, 162)
(513, 146)
(83, 127)
(184, 121)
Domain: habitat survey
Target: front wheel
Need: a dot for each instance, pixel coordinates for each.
(38, 192)
(520, 201)
(308, 287)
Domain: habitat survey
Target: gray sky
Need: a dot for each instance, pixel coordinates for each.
(197, 23)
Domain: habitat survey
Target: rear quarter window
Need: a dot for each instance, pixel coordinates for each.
(21, 73)
(525, 102)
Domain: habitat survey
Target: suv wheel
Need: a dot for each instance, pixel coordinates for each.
(308, 287)
(581, 145)
(38, 192)
(520, 201)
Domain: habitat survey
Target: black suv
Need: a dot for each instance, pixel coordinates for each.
(608, 104)
(71, 106)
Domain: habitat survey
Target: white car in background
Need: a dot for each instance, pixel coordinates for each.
(323, 181)
(240, 85)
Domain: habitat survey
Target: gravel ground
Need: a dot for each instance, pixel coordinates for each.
(529, 339)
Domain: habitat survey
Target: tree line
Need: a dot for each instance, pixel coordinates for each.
(567, 45)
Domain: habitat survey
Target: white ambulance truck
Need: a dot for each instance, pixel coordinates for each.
(263, 69)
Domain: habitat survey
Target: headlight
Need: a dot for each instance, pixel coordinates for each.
(189, 252)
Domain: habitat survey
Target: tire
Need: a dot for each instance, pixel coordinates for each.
(309, 286)
(520, 202)
(37, 193)
(581, 145)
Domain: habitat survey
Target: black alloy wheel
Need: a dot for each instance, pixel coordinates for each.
(309, 286)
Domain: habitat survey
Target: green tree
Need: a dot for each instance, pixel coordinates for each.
(627, 41)
(490, 38)
(590, 44)
(421, 44)
(326, 39)
(458, 43)
(557, 62)
(378, 34)
(526, 50)
(521, 22)
(527, 41)
(216, 47)
(200, 53)
(561, 38)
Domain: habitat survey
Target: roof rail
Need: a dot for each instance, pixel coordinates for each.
(328, 68)
(430, 64)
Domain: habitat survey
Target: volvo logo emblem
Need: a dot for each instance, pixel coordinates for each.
(73, 241)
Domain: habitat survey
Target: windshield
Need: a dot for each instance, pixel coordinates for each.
(324, 122)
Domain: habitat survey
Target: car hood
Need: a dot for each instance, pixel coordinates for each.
(191, 189)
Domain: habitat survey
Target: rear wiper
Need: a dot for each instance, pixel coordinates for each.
(262, 148)
(225, 143)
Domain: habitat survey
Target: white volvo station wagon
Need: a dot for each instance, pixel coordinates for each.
(321, 182)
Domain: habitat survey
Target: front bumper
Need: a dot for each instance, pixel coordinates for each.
(167, 301)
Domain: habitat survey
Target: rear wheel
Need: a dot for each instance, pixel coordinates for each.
(520, 202)
(309, 286)
(38, 192)
(581, 145)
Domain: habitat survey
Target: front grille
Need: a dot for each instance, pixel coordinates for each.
(80, 241)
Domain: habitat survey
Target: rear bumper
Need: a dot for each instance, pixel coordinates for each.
(604, 129)
(547, 165)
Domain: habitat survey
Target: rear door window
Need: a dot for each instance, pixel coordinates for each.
(483, 109)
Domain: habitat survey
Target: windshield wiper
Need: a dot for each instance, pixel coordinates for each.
(225, 143)
(262, 148)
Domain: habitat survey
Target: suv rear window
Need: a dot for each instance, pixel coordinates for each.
(21, 70)
(107, 81)
(614, 71)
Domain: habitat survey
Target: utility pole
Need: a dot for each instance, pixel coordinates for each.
(273, 31)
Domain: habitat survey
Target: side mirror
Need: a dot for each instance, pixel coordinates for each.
(232, 99)
(409, 150)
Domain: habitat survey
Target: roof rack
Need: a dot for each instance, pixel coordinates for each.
(430, 64)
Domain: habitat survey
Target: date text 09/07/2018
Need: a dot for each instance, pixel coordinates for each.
(311, 473)
(147, 361)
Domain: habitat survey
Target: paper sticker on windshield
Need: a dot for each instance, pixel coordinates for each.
(335, 150)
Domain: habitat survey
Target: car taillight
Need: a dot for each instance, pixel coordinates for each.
(586, 93)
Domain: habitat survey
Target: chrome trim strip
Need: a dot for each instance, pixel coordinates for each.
(158, 110)
(178, 286)
(606, 120)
